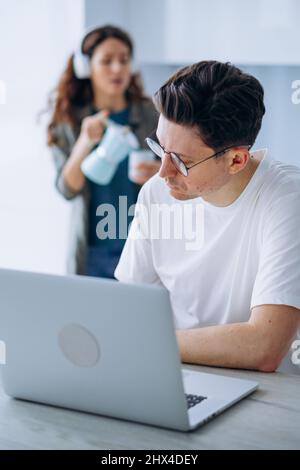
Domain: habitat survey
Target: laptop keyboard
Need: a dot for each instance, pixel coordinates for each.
(193, 400)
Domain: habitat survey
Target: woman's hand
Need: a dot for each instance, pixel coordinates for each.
(146, 171)
(92, 128)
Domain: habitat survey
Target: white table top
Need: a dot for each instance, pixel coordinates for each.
(267, 419)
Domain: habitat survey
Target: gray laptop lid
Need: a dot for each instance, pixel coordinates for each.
(92, 344)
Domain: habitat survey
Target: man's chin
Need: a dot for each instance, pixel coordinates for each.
(182, 196)
(179, 195)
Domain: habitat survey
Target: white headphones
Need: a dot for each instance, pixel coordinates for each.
(81, 61)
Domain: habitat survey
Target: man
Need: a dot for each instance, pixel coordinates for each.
(235, 298)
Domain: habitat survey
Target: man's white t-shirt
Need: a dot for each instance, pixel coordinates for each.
(242, 255)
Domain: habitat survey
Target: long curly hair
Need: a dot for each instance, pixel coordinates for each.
(73, 93)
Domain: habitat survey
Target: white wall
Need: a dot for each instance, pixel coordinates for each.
(256, 32)
(36, 36)
(245, 32)
(100, 12)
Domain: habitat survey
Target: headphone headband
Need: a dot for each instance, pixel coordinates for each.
(81, 61)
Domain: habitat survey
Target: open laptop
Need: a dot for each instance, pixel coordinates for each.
(103, 347)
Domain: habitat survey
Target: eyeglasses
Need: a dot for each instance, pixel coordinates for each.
(176, 160)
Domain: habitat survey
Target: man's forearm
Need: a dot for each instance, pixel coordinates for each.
(237, 345)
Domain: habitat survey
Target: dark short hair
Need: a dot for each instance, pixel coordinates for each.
(223, 103)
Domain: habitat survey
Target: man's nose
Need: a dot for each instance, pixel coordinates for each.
(167, 168)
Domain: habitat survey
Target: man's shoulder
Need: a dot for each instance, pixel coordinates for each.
(282, 179)
(280, 189)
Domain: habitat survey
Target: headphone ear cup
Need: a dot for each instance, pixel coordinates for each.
(81, 65)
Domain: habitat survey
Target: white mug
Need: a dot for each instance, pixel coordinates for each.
(136, 157)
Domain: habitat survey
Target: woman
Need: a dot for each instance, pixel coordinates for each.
(97, 78)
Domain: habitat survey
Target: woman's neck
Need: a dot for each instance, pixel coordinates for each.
(111, 103)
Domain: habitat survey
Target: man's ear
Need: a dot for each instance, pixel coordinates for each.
(238, 159)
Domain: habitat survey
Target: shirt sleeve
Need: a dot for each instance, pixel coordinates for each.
(60, 154)
(136, 262)
(278, 277)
